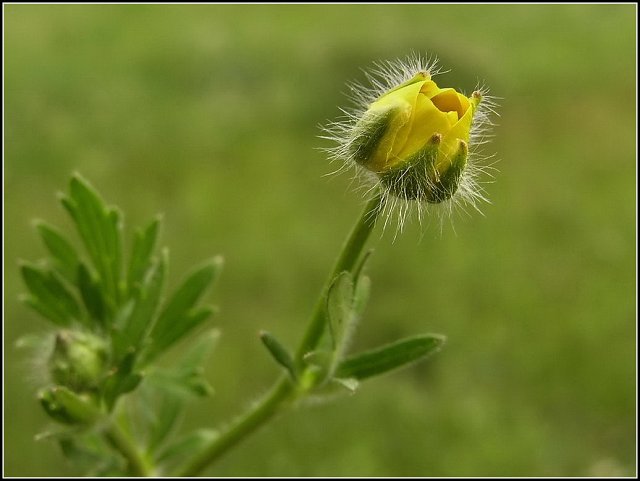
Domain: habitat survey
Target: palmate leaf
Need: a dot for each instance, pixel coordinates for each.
(179, 316)
(389, 357)
(96, 292)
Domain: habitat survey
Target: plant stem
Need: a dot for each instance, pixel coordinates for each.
(138, 465)
(284, 390)
(347, 260)
(257, 415)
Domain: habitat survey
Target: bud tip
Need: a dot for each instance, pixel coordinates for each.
(435, 138)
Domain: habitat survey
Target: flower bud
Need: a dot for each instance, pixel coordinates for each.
(415, 138)
(67, 407)
(78, 361)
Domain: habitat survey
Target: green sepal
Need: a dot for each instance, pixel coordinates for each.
(413, 179)
(369, 133)
(446, 183)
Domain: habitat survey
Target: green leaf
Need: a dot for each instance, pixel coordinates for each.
(186, 377)
(91, 294)
(345, 304)
(99, 228)
(88, 453)
(339, 307)
(187, 445)
(363, 286)
(200, 350)
(183, 325)
(181, 383)
(389, 357)
(361, 295)
(49, 296)
(44, 310)
(279, 353)
(179, 316)
(146, 299)
(166, 418)
(129, 383)
(121, 380)
(60, 248)
(144, 243)
(115, 243)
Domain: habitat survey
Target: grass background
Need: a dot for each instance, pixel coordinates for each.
(209, 114)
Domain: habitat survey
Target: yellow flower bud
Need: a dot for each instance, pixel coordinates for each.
(415, 138)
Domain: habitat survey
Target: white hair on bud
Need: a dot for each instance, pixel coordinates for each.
(382, 77)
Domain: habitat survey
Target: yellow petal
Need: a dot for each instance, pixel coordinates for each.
(407, 94)
(452, 117)
(449, 145)
(426, 121)
(404, 99)
(379, 159)
(430, 89)
(448, 100)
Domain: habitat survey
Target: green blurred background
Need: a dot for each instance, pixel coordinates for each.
(210, 115)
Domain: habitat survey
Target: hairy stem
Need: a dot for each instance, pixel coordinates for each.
(284, 390)
(137, 464)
